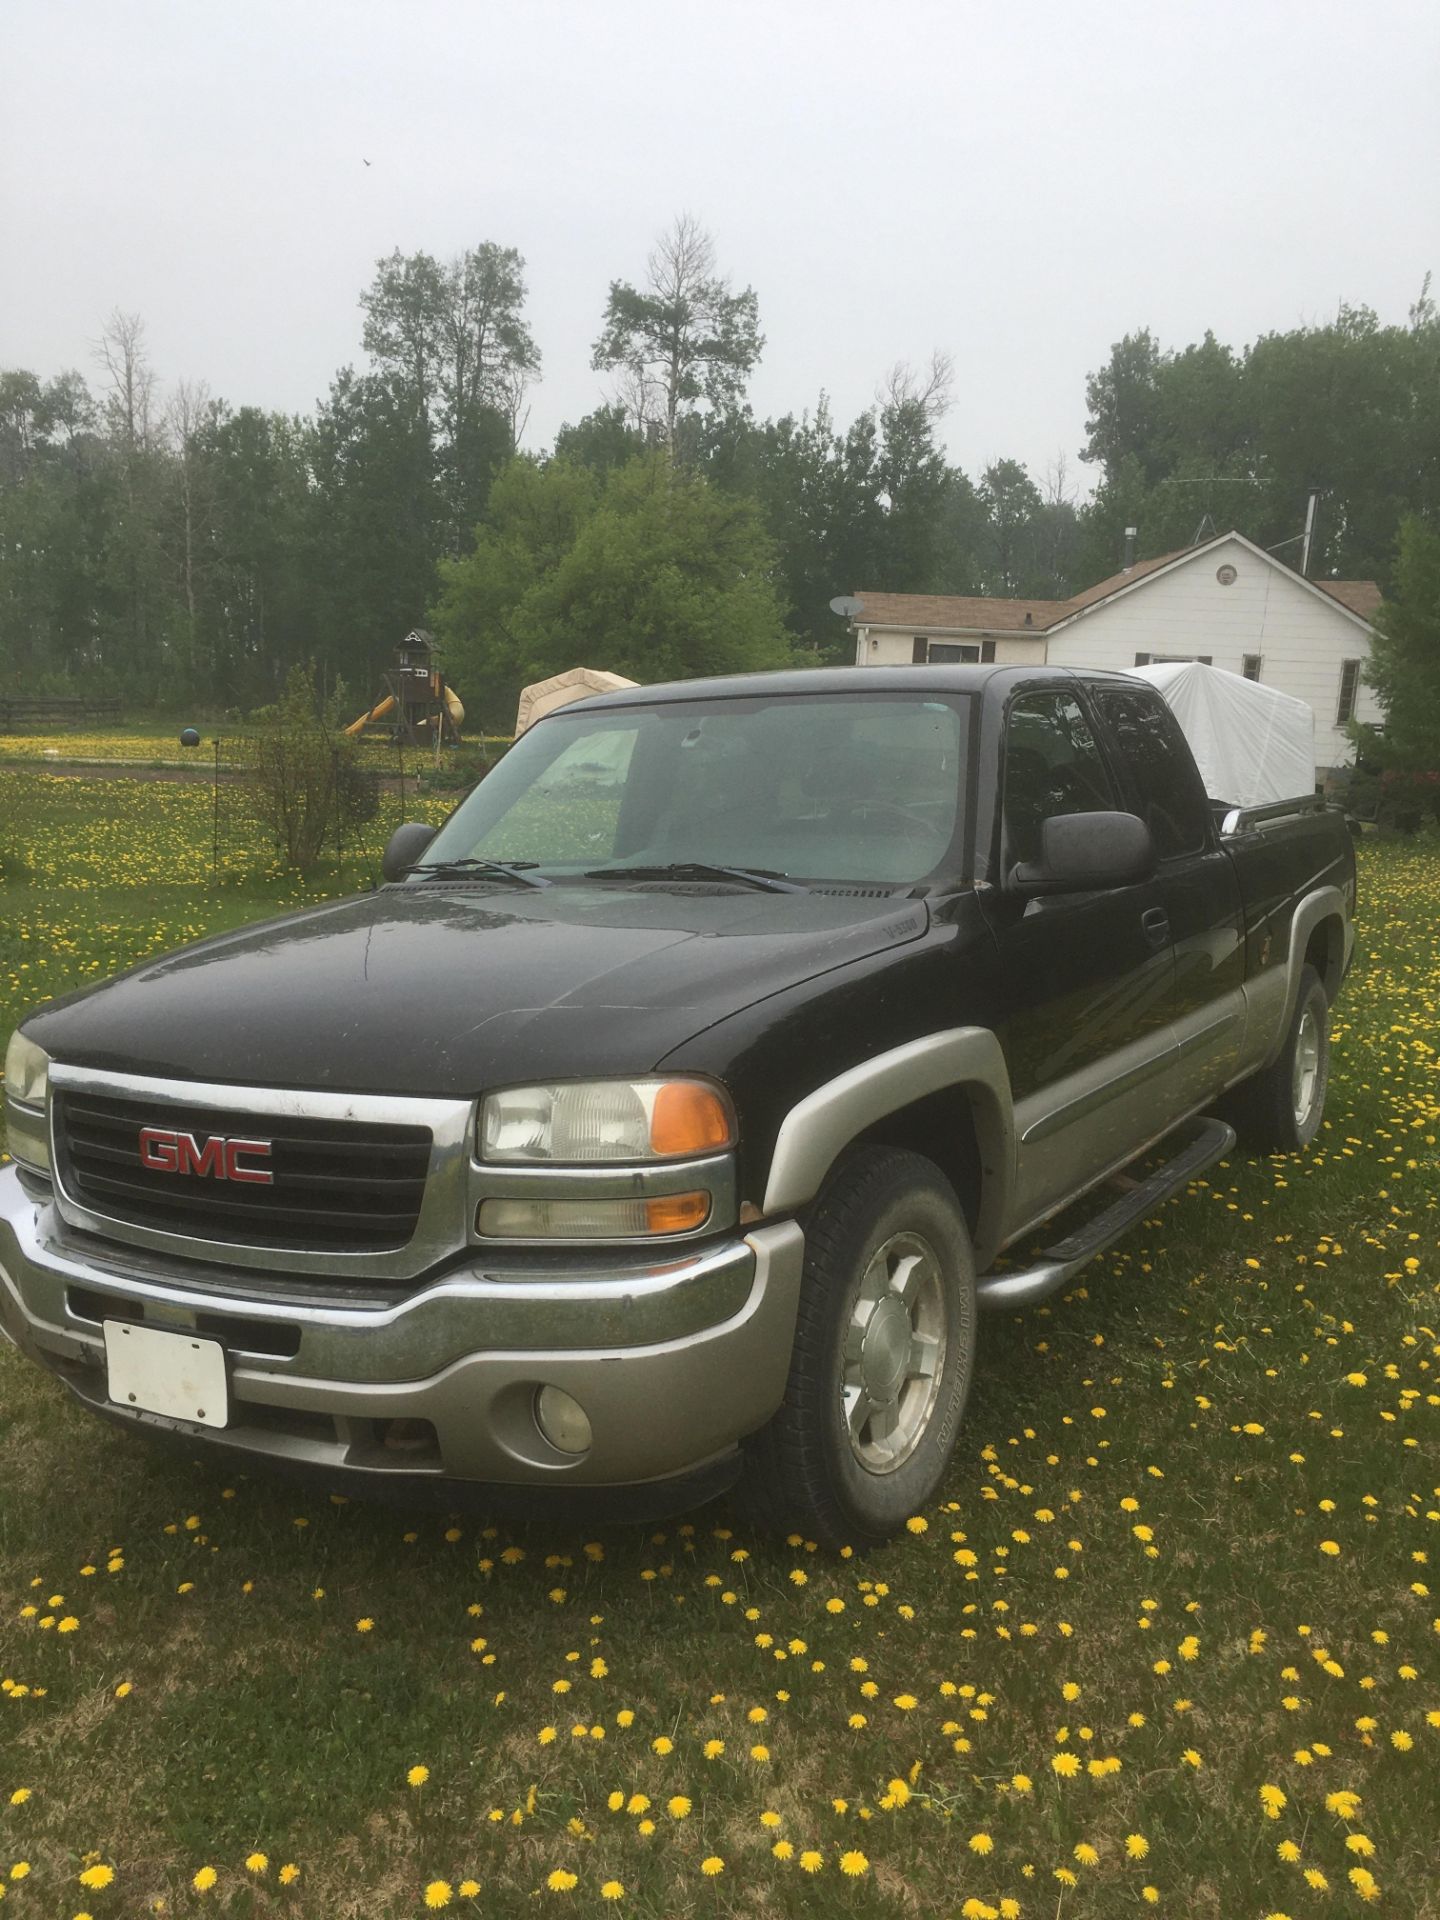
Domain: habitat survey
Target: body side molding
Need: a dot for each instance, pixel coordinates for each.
(818, 1128)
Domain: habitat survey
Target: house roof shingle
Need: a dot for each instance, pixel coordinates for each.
(946, 610)
(980, 613)
(1357, 596)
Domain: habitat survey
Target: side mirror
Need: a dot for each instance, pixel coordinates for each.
(1085, 852)
(404, 848)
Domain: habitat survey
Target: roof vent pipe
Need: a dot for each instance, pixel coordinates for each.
(1131, 535)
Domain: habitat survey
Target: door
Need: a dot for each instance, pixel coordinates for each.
(1201, 895)
(1086, 979)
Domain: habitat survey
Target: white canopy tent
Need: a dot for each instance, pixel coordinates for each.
(1252, 744)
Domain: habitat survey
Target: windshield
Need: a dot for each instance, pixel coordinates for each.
(846, 787)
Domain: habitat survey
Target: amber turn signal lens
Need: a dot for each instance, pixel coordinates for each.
(677, 1212)
(688, 1118)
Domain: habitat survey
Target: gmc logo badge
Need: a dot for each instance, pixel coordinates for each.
(218, 1158)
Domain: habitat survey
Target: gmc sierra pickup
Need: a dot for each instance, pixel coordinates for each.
(662, 1121)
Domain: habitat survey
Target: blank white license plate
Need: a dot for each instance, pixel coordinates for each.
(177, 1374)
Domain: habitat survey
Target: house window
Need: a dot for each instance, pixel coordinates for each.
(1349, 688)
(1173, 659)
(1250, 666)
(940, 653)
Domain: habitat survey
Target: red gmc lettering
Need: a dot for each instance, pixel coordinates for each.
(258, 1150)
(218, 1159)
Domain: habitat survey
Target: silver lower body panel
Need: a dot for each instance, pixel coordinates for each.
(674, 1359)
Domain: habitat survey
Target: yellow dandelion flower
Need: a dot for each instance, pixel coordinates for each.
(439, 1893)
(1066, 1765)
(562, 1880)
(711, 1865)
(1086, 1854)
(204, 1879)
(906, 1702)
(1136, 1846)
(417, 1776)
(677, 1806)
(981, 1843)
(811, 1861)
(289, 1874)
(612, 1890)
(367, 1625)
(854, 1863)
(257, 1862)
(97, 1876)
(1272, 1799)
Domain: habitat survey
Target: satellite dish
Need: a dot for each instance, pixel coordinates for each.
(847, 606)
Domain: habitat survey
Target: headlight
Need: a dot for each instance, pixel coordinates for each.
(27, 1070)
(27, 1074)
(591, 1121)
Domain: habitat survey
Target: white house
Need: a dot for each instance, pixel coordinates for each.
(1226, 602)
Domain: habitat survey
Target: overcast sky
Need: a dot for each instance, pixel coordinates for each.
(1018, 184)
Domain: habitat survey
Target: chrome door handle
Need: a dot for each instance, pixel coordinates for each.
(1156, 923)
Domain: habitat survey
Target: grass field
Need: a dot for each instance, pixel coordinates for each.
(1169, 1643)
(156, 743)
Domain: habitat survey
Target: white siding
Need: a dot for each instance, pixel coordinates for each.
(1302, 640)
(887, 648)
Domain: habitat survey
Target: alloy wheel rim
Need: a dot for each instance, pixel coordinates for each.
(894, 1353)
(1305, 1076)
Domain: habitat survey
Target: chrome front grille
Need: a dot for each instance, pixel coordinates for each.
(333, 1184)
(365, 1186)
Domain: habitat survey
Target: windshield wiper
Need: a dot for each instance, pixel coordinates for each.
(512, 870)
(765, 878)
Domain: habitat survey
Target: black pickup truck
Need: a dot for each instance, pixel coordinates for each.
(661, 1121)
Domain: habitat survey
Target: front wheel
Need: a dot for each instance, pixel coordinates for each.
(883, 1357)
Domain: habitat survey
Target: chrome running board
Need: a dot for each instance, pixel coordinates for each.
(1057, 1265)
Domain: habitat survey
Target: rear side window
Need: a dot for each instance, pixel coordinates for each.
(1165, 789)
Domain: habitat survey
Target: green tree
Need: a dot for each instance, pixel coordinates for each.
(913, 476)
(453, 337)
(1122, 399)
(370, 522)
(651, 572)
(601, 441)
(682, 338)
(1404, 664)
(55, 504)
(1012, 506)
(255, 586)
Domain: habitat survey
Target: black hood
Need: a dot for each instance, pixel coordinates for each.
(438, 989)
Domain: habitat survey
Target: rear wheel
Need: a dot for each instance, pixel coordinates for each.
(883, 1357)
(1279, 1109)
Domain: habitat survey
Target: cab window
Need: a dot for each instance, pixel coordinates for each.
(1052, 765)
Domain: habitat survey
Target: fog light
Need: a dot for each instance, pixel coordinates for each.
(562, 1420)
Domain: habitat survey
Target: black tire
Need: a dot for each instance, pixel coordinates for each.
(887, 1228)
(1279, 1109)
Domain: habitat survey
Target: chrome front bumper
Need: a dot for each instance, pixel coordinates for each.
(674, 1359)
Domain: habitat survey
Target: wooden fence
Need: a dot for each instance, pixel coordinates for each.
(63, 710)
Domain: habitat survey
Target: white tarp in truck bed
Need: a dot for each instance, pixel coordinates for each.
(1252, 743)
